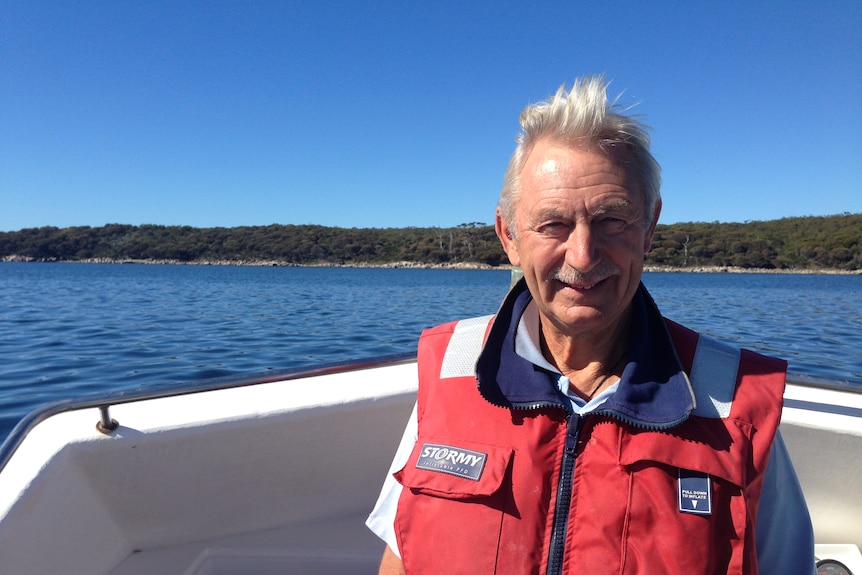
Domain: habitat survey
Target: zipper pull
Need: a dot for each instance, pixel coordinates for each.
(573, 432)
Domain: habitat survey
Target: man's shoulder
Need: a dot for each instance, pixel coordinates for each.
(455, 346)
(474, 326)
(687, 340)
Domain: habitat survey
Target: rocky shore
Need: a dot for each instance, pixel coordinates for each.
(738, 270)
(261, 263)
(420, 265)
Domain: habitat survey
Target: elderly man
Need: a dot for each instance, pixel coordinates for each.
(578, 431)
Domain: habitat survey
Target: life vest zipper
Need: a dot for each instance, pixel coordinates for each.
(574, 424)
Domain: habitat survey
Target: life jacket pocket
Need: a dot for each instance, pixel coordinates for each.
(455, 469)
(452, 508)
(687, 510)
(700, 444)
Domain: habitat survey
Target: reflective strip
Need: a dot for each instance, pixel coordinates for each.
(464, 347)
(713, 377)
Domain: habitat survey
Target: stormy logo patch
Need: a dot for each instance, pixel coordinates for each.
(452, 460)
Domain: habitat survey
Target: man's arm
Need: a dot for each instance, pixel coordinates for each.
(785, 539)
(390, 564)
(381, 521)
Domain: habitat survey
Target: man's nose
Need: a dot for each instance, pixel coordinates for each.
(582, 248)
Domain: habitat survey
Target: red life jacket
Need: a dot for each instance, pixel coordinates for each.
(481, 488)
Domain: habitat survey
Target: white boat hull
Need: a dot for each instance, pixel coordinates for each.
(279, 477)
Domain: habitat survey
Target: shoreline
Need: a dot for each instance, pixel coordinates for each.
(736, 270)
(420, 265)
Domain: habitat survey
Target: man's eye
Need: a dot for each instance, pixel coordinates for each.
(611, 224)
(555, 228)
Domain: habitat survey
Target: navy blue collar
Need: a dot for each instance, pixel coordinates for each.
(653, 392)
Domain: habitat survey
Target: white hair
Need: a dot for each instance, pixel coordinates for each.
(581, 116)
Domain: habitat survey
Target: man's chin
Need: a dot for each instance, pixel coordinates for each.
(575, 318)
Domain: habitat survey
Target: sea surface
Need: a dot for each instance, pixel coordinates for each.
(73, 330)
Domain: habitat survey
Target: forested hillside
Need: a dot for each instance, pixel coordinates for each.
(810, 243)
(831, 242)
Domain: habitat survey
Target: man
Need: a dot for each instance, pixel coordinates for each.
(579, 431)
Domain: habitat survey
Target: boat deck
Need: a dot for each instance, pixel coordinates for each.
(251, 479)
(334, 547)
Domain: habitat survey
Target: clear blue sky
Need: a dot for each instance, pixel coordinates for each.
(394, 113)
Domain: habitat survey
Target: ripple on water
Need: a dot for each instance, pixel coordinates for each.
(97, 328)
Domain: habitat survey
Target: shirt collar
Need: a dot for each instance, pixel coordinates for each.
(653, 392)
(528, 338)
(528, 345)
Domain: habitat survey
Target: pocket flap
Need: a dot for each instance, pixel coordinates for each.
(698, 445)
(455, 469)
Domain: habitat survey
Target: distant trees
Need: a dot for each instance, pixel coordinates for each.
(810, 242)
(299, 245)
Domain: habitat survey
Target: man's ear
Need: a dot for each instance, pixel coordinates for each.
(651, 231)
(507, 238)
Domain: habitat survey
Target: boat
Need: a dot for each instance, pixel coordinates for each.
(276, 473)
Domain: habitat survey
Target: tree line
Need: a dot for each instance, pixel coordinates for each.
(829, 242)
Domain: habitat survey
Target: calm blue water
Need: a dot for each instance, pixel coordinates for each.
(68, 330)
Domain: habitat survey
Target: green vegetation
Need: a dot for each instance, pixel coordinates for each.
(287, 244)
(832, 242)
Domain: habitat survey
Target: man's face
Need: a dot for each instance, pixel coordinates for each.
(580, 234)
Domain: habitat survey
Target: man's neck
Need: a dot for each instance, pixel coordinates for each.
(592, 361)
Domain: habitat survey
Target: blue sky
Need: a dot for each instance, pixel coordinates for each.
(397, 113)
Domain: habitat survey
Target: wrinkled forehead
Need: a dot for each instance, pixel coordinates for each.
(553, 165)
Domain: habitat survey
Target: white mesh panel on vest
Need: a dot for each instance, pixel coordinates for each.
(464, 347)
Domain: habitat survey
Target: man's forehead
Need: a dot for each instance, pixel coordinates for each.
(553, 165)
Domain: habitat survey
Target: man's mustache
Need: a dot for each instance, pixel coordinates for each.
(569, 275)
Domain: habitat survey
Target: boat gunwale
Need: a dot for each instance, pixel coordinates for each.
(18, 433)
(105, 400)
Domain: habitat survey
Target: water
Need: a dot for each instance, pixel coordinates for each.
(69, 330)
(813, 321)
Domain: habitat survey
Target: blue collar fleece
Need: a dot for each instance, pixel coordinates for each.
(653, 393)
